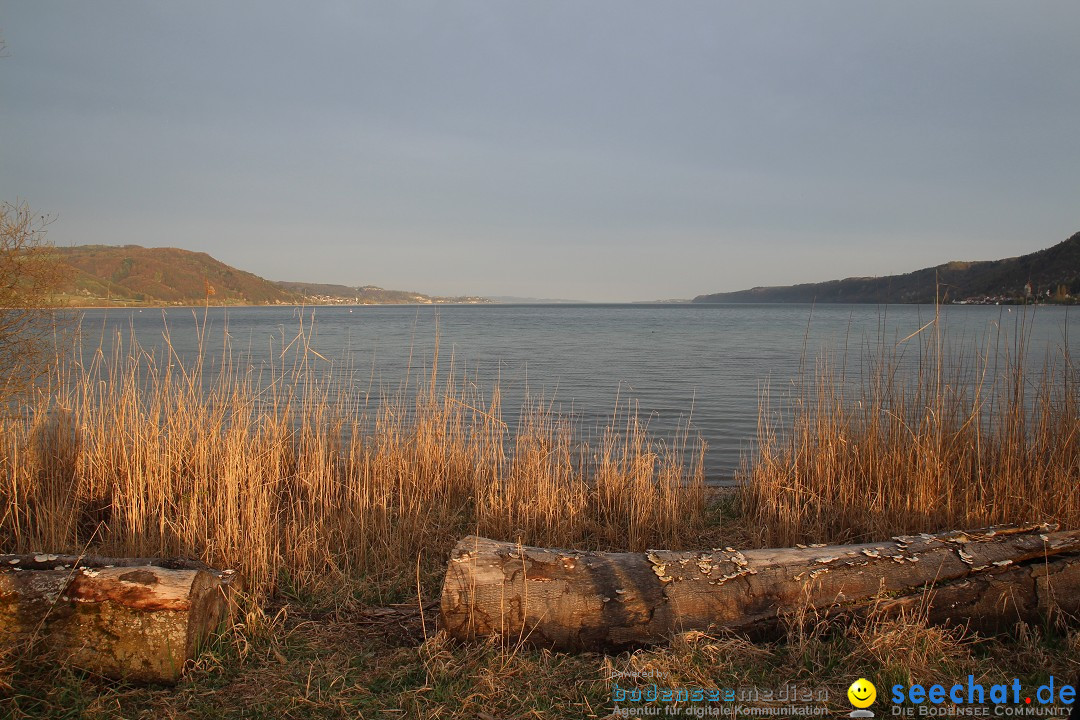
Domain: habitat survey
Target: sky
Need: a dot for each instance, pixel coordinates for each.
(594, 150)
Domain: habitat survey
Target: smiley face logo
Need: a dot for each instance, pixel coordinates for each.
(862, 693)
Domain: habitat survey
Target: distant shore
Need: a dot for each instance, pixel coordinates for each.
(180, 306)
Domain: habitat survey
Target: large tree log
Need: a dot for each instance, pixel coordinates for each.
(577, 600)
(138, 619)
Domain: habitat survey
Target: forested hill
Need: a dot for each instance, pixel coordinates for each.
(131, 274)
(1050, 275)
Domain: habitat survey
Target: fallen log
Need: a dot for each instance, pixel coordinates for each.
(137, 619)
(575, 600)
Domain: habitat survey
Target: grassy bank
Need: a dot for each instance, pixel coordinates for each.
(299, 664)
(331, 506)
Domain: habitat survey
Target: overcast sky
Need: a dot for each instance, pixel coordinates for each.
(616, 150)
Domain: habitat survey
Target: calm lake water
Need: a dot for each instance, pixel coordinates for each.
(702, 364)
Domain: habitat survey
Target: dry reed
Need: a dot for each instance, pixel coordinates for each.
(958, 438)
(287, 476)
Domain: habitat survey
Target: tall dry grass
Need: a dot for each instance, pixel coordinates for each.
(287, 475)
(958, 436)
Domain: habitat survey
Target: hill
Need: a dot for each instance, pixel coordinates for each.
(131, 274)
(1052, 275)
(135, 275)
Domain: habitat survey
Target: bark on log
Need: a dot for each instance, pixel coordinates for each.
(574, 600)
(137, 619)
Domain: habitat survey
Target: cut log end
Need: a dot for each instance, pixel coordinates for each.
(137, 622)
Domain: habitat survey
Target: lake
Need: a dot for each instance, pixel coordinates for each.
(676, 363)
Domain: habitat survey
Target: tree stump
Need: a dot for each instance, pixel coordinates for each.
(135, 619)
(575, 600)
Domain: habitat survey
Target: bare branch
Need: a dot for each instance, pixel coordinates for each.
(30, 274)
